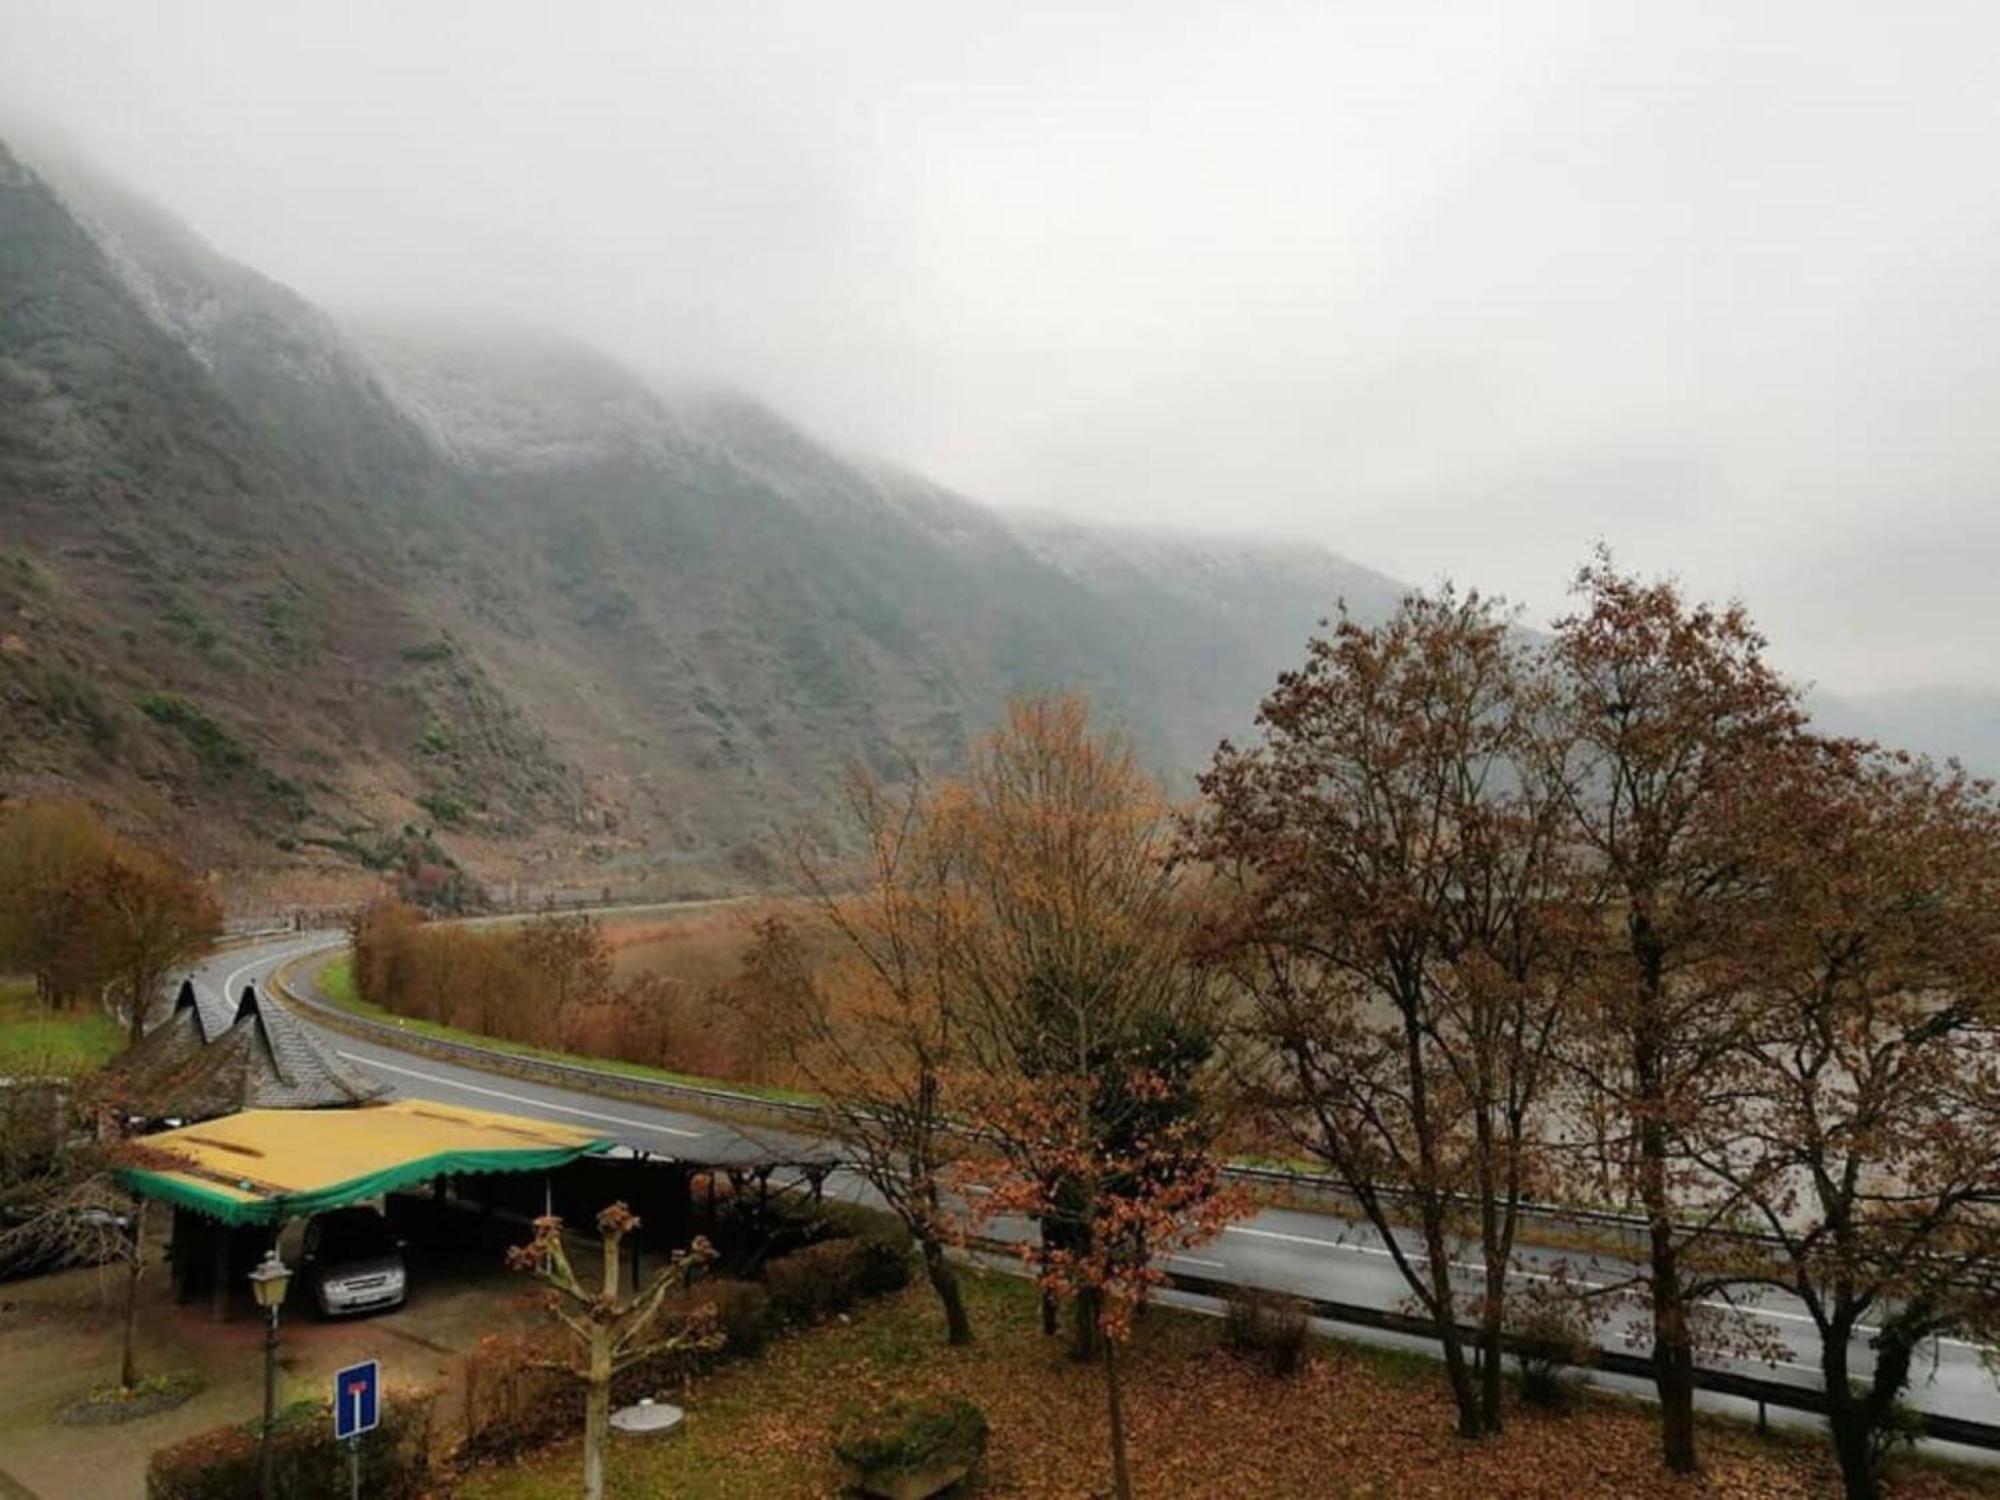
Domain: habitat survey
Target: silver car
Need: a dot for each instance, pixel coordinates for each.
(353, 1262)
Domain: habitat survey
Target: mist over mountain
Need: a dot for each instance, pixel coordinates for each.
(283, 585)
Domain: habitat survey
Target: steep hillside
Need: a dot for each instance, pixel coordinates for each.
(285, 587)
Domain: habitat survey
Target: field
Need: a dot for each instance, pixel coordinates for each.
(1354, 1423)
(34, 1043)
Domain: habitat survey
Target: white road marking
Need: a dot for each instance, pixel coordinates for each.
(474, 1088)
(1196, 1260)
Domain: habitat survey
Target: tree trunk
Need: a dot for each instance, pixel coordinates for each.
(597, 1417)
(1121, 1473)
(1853, 1446)
(136, 1021)
(1459, 1374)
(135, 1263)
(1490, 1372)
(1673, 1343)
(1857, 1418)
(1050, 1311)
(1084, 1332)
(944, 1281)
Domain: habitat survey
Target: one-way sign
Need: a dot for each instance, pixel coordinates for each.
(356, 1403)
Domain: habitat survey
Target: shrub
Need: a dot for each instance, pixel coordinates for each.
(512, 1405)
(213, 745)
(821, 1279)
(1548, 1334)
(909, 1438)
(742, 1312)
(221, 1464)
(1269, 1327)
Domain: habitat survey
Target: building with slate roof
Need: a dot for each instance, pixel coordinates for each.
(208, 1059)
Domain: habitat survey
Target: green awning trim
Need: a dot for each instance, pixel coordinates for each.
(230, 1207)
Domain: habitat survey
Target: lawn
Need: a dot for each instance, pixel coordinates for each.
(68, 1044)
(1354, 1423)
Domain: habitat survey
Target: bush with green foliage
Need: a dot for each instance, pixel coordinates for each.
(222, 1463)
(930, 1435)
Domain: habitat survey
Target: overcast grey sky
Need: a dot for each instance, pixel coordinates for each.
(1450, 287)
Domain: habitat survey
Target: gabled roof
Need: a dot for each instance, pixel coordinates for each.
(207, 1059)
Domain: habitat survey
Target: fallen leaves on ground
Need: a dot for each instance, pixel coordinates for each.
(1351, 1425)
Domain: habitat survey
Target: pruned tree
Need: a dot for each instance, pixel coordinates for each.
(1865, 1130)
(872, 1033)
(1408, 927)
(612, 1328)
(1673, 724)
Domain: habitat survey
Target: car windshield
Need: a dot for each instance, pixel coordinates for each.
(344, 1236)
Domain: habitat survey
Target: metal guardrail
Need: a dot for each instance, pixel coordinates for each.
(491, 1059)
(610, 1080)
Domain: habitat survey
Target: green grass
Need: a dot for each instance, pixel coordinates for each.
(67, 1044)
(336, 984)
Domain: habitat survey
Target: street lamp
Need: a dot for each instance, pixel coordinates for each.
(269, 1282)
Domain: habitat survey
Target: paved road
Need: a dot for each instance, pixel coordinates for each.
(1313, 1254)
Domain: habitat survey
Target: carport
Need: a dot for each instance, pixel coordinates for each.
(234, 1182)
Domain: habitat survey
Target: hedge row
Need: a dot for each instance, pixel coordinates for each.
(222, 1464)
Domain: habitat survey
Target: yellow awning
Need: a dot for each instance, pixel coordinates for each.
(265, 1165)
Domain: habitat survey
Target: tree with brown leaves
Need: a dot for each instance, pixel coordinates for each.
(146, 917)
(1084, 1031)
(612, 1329)
(46, 848)
(1674, 723)
(872, 1034)
(1865, 1133)
(1406, 927)
(569, 964)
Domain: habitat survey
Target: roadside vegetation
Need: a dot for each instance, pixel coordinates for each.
(85, 914)
(687, 998)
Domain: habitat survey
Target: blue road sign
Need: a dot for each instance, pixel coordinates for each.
(356, 1399)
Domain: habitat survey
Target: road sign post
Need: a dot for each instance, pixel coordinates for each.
(357, 1408)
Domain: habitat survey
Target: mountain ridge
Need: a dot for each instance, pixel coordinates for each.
(290, 587)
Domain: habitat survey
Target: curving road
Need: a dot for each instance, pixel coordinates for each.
(1323, 1256)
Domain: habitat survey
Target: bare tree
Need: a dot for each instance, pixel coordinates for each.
(872, 1034)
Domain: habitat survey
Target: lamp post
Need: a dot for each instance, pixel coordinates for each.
(269, 1282)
